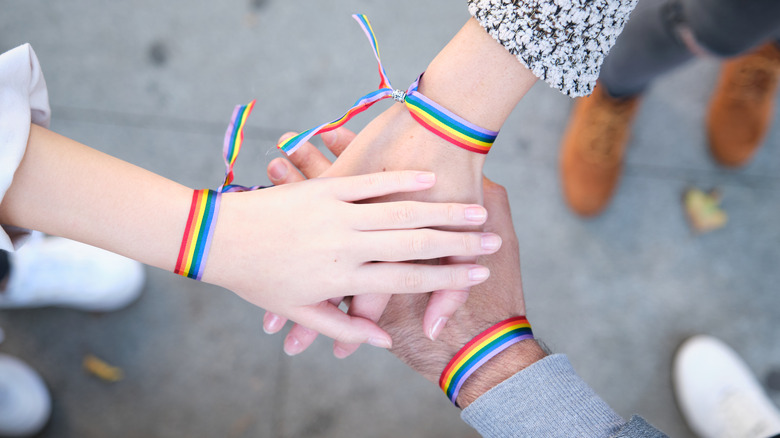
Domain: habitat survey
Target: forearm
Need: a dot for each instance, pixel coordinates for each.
(67, 189)
(476, 78)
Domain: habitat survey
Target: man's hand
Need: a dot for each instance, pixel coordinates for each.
(499, 298)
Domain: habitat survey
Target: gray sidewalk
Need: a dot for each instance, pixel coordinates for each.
(154, 83)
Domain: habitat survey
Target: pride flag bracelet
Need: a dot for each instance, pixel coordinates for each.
(204, 209)
(480, 350)
(428, 113)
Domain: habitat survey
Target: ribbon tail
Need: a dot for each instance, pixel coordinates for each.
(369, 31)
(293, 143)
(234, 137)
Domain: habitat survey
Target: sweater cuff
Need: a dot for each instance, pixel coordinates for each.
(546, 399)
(563, 42)
(23, 100)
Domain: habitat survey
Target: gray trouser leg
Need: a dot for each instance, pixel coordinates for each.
(650, 44)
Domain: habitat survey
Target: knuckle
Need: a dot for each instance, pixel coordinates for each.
(413, 280)
(456, 277)
(468, 242)
(452, 213)
(374, 179)
(403, 214)
(420, 243)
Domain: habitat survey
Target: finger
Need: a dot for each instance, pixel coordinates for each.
(272, 323)
(280, 171)
(424, 244)
(372, 185)
(411, 214)
(338, 140)
(330, 321)
(441, 306)
(307, 158)
(300, 338)
(403, 278)
(369, 307)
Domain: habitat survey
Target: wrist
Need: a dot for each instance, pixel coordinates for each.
(501, 367)
(476, 78)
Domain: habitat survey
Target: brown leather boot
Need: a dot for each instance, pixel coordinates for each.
(742, 106)
(592, 151)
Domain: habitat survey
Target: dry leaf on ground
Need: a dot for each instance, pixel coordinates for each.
(703, 210)
(101, 369)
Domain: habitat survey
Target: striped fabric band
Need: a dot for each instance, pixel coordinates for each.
(204, 210)
(428, 113)
(234, 137)
(481, 349)
(196, 242)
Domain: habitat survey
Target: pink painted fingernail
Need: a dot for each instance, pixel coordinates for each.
(476, 214)
(437, 327)
(491, 242)
(426, 177)
(380, 342)
(292, 346)
(480, 273)
(271, 323)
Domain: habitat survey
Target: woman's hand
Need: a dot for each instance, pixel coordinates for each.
(290, 249)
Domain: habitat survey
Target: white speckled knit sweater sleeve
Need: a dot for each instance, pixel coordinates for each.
(563, 42)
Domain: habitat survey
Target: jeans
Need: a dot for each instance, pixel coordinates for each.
(652, 42)
(5, 267)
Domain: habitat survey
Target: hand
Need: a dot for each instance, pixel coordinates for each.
(269, 251)
(312, 163)
(497, 299)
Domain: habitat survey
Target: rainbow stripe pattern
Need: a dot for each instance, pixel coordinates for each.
(481, 349)
(196, 242)
(204, 209)
(234, 137)
(428, 113)
(446, 124)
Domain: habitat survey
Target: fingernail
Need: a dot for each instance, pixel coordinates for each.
(292, 346)
(271, 324)
(480, 273)
(491, 242)
(277, 172)
(380, 342)
(339, 352)
(329, 138)
(437, 328)
(426, 177)
(476, 214)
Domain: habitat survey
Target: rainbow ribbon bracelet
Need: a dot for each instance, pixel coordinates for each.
(428, 113)
(204, 209)
(480, 350)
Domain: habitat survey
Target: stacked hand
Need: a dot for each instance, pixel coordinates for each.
(499, 298)
(378, 148)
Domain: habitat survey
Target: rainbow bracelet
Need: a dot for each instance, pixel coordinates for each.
(196, 243)
(204, 209)
(428, 113)
(481, 349)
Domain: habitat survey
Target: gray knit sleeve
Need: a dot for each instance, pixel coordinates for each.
(563, 42)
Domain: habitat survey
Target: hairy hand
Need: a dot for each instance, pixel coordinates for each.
(497, 299)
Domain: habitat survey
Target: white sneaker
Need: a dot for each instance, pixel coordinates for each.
(718, 394)
(52, 271)
(25, 404)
